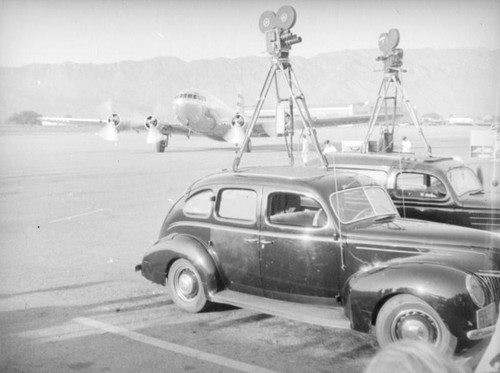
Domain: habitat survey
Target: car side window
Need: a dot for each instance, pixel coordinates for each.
(295, 210)
(238, 204)
(199, 205)
(419, 186)
(380, 177)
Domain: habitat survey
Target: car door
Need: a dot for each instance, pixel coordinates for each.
(419, 195)
(299, 256)
(234, 238)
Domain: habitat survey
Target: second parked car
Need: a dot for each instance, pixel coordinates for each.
(435, 188)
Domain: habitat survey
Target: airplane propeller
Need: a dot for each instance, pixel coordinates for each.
(236, 133)
(154, 135)
(109, 132)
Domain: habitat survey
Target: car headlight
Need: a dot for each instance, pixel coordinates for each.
(476, 291)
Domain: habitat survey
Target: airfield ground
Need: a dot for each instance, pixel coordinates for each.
(76, 214)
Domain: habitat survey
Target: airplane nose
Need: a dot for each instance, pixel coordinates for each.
(181, 110)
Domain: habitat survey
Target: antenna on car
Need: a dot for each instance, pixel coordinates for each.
(279, 41)
(393, 61)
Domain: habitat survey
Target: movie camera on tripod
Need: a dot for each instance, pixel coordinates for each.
(393, 57)
(279, 41)
(276, 26)
(391, 89)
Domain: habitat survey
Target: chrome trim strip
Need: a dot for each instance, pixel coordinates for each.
(304, 235)
(491, 273)
(429, 252)
(420, 248)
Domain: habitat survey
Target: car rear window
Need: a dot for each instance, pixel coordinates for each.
(419, 186)
(200, 204)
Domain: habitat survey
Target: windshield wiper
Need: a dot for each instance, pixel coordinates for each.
(385, 217)
(478, 191)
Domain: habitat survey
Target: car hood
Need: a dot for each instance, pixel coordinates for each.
(418, 240)
(481, 200)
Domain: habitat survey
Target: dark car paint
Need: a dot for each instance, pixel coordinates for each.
(361, 264)
(475, 210)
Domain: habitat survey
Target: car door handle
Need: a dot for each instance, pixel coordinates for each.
(251, 239)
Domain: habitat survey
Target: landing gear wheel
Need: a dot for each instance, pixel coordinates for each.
(161, 145)
(408, 317)
(248, 148)
(185, 286)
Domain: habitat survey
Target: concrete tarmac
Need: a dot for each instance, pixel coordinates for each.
(77, 213)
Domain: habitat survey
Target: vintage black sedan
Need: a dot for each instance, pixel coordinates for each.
(288, 236)
(441, 189)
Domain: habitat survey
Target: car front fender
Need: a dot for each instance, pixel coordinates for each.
(443, 288)
(158, 259)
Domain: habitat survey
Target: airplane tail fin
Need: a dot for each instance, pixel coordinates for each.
(240, 103)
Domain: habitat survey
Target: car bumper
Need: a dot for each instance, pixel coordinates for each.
(481, 333)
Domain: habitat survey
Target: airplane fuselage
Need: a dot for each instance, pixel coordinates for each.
(203, 113)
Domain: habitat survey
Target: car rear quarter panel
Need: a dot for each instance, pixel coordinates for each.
(163, 254)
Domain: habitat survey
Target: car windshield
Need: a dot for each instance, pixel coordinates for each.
(361, 203)
(464, 180)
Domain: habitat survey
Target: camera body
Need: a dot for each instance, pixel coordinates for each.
(393, 60)
(276, 27)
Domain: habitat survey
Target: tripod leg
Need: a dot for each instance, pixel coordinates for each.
(263, 94)
(306, 119)
(382, 94)
(414, 118)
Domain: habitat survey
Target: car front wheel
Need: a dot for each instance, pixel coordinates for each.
(408, 317)
(185, 286)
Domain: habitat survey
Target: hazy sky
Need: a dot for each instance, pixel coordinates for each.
(99, 31)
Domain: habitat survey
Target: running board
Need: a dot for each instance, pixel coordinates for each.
(317, 315)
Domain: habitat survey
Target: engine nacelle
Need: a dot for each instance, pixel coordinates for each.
(150, 122)
(114, 119)
(238, 121)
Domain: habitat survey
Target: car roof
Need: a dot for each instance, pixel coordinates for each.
(395, 161)
(297, 178)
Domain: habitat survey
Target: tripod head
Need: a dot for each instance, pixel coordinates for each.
(393, 57)
(276, 27)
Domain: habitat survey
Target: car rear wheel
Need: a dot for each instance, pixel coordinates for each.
(408, 317)
(185, 286)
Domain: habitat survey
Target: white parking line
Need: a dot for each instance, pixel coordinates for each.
(187, 351)
(77, 216)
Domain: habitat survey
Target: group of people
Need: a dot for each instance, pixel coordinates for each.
(328, 147)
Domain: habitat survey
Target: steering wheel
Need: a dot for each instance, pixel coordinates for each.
(362, 212)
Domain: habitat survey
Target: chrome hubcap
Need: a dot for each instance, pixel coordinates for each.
(415, 325)
(187, 284)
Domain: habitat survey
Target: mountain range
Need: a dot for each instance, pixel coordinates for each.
(464, 82)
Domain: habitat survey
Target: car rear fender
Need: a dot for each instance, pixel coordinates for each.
(166, 251)
(442, 287)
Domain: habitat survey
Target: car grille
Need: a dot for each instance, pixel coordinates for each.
(493, 283)
(487, 221)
